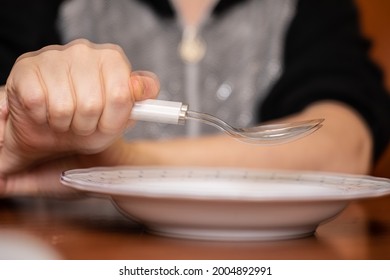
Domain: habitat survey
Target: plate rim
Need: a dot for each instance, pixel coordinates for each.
(92, 189)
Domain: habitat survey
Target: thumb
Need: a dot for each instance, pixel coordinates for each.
(144, 84)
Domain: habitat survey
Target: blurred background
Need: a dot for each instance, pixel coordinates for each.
(376, 22)
(375, 16)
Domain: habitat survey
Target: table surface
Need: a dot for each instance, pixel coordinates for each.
(94, 229)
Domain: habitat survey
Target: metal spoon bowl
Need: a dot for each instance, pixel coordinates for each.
(274, 133)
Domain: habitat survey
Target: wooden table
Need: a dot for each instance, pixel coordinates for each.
(93, 229)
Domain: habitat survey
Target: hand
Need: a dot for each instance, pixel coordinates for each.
(68, 99)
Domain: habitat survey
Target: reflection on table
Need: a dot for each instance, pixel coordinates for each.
(94, 229)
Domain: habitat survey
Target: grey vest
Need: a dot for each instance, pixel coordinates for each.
(243, 57)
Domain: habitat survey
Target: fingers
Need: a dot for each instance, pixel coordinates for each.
(26, 91)
(121, 96)
(80, 87)
(59, 106)
(118, 95)
(87, 88)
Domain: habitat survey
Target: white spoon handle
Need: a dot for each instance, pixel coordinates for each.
(160, 111)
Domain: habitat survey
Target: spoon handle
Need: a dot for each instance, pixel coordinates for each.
(160, 111)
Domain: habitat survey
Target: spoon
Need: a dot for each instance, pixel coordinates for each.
(172, 112)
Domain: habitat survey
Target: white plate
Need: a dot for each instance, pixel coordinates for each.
(226, 204)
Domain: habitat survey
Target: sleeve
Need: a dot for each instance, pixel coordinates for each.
(326, 57)
(25, 26)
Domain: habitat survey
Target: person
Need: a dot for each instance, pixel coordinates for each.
(71, 89)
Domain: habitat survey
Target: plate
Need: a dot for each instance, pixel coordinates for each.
(226, 204)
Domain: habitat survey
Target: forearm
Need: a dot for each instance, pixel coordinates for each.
(343, 144)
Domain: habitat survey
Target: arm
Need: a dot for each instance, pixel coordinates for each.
(326, 58)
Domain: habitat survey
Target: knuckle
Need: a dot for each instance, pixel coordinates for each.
(48, 55)
(90, 108)
(114, 48)
(120, 95)
(109, 129)
(78, 49)
(64, 111)
(32, 97)
(82, 131)
(113, 52)
(82, 46)
(80, 41)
